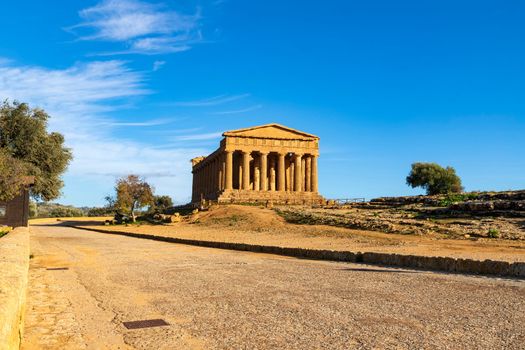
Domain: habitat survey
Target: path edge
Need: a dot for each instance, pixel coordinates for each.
(14, 274)
(432, 263)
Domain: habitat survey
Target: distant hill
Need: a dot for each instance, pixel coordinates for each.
(55, 210)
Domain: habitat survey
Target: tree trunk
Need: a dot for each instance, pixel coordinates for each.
(133, 219)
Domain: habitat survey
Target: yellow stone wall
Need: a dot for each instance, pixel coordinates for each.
(14, 268)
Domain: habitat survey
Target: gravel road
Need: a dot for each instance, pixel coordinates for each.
(219, 299)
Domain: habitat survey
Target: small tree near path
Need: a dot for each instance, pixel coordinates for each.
(133, 193)
(434, 178)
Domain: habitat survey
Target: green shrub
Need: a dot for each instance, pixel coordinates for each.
(457, 197)
(4, 230)
(493, 233)
(100, 211)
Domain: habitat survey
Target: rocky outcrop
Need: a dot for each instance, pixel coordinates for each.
(14, 267)
(414, 219)
(471, 201)
(406, 200)
(489, 205)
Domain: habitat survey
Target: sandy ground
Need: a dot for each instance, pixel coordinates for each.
(219, 299)
(254, 225)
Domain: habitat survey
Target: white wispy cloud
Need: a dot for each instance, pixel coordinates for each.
(238, 111)
(80, 99)
(158, 65)
(212, 101)
(145, 28)
(81, 92)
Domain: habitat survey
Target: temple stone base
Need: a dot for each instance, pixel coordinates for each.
(275, 197)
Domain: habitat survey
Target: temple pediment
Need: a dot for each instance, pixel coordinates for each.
(271, 131)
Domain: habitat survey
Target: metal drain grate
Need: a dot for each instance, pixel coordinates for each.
(145, 324)
(57, 268)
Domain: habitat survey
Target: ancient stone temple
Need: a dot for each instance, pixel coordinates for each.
(259, 164)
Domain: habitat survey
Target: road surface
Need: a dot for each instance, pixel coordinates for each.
(220, 299)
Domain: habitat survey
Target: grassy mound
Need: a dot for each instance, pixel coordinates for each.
(245, 217)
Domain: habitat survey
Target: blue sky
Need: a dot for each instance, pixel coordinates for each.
(142, 87)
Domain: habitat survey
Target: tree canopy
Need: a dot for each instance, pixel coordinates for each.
(162, 202)
(24, 137)
(434, 178)
(133, 193)
(11, 179)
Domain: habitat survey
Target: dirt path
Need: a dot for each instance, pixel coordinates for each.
(218, 299)
(61, 313)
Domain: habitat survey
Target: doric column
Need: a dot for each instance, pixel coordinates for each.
(223, 172)
(264, 171)
(212, 176)
(198, 184)
(209, 179)
(201, 181)
(216, 174)
(229, 170)
(246, 170)
(272, 173)
(298, 173)
(240, 173)
(206, 178)
(315, 176)
(193, 186)
(216, 177)
(303, 174)
(290, 175)
(257, 173)
(280, 172)
(308, 172)
(288, 172)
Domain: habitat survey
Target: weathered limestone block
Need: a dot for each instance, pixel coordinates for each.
(14, 267)
(175, 218)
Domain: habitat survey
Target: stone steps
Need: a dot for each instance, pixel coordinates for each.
(276, 197)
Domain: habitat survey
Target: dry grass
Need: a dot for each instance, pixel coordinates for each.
(253, 225)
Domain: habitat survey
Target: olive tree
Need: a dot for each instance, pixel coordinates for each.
(24, 136)
(162, 203)
(133, 193)
(434, 178)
